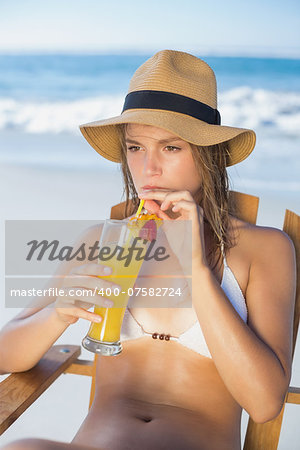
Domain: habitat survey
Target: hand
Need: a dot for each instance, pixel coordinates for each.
(87, 281)
(183, 203)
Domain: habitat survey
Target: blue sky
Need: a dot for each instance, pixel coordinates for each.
(259, 27)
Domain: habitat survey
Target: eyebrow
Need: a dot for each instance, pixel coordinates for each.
(162, 141)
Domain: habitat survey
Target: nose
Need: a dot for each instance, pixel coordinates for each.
(152, 165)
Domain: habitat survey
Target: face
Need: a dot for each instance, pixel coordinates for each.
(159, 158)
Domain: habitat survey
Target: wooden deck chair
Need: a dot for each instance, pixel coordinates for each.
(19, 390)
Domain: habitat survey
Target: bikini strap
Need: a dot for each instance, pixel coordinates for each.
(223, 253)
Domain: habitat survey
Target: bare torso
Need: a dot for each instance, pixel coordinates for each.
(159, 394)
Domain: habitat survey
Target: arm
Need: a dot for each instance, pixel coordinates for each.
(24, 340)
(254, 359)
(27, 337)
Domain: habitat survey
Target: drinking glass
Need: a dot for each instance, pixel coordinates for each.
(104, 337)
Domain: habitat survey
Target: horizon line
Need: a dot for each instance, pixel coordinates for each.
(137, 52)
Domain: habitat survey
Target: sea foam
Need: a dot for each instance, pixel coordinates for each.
(269, 111)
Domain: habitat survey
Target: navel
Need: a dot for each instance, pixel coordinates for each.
(146, 419)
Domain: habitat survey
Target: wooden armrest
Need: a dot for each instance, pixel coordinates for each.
(293, 395)
(20, 390)
(81, 367)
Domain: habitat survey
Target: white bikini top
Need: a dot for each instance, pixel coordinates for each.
(193, 338)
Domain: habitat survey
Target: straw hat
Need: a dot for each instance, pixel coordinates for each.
(175, 91)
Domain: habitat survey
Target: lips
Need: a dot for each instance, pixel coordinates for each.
(148, 186)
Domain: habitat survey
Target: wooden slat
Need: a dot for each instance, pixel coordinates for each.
(117, 212)
(293, 395)
(292, 228)
(20, 390)
(93, 387)
(81, 367)
(244, 206)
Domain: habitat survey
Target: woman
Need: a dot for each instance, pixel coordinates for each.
(232, 348)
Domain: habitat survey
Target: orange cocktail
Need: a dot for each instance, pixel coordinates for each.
(104, 337)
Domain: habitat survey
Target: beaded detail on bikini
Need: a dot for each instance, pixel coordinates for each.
(169, 337)
(193, 337)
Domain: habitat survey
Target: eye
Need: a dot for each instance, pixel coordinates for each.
(172, 148)
(133, 148)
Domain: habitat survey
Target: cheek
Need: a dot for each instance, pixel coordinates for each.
(129, 162)
(187, 169)
(188, 173)
(133, 166)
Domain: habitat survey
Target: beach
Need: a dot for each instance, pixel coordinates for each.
(49, 172)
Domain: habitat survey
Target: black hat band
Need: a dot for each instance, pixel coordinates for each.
(169, 101)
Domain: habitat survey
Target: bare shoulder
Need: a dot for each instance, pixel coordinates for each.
(262, 241)
(257, 251)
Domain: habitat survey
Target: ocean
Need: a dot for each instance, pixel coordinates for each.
(53, 94)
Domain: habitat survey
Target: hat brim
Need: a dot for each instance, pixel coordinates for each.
(103, 137)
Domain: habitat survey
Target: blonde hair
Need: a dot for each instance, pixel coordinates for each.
(210, 162)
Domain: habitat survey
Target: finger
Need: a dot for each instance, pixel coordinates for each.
(83, 304)
(95, 270)
(73, 295)
(163, 215)
(89, 282)
(145, 191)
(166, 201)
(98, 303)
(69, 303)
(78, 313)
(159, 194)
(183, 204)
(152, 207)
